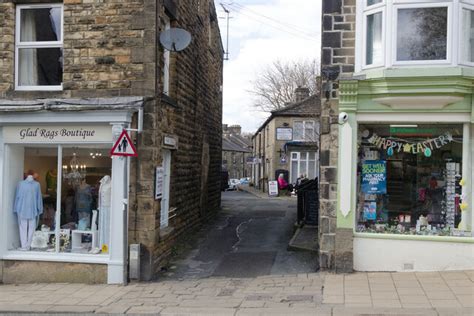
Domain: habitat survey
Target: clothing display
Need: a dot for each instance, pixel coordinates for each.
(83, 198)
(51, 181)
(27, 228)
(105, 194)
(28, 205)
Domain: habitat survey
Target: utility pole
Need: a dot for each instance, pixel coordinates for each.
(226, 53)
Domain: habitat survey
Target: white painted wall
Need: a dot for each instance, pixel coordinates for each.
(371, 254)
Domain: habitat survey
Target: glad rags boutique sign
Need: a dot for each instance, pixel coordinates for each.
(57, 134)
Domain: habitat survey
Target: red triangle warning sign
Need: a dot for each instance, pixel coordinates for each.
(124, 146)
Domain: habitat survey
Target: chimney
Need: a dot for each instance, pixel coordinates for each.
(235, 129)
(301, 94)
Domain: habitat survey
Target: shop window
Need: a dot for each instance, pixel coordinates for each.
(422, 34)
(39, 47)
(467, 34)
(303, 166)
(73, 203)
(409, 179)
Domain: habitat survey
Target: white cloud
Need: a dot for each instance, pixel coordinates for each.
(291, 33)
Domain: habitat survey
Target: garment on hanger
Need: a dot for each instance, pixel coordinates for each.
(28, 205)
(28, 199)
(83, 198)
(51, 181)
(105, 201)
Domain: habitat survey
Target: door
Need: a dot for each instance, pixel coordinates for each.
(165, 199)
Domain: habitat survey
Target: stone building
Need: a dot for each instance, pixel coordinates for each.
(236, 149)
(288, 142)
(399, 131)
(337, 60)
(75, 74)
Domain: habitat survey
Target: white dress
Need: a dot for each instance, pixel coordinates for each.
(105, 191)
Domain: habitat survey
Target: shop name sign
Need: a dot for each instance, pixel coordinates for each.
(57, 134)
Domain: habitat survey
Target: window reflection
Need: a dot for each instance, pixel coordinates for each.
(422, 34)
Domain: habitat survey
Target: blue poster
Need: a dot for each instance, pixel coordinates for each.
(374, 177)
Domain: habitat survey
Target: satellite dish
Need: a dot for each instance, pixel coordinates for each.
(175, 39)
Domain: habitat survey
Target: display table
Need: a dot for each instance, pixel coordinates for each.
(76, 238)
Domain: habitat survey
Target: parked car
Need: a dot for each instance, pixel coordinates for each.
(233, 183)
(244, 180)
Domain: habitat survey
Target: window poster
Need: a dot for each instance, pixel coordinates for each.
(374, 177)
(159, 175)
(370, 211)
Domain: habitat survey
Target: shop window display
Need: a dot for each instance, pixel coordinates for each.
(72, 205)
(409, 179)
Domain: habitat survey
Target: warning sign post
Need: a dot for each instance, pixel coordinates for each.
(124, 146)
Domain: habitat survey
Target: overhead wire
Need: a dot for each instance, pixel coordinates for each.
(296, 34)
(292, 26)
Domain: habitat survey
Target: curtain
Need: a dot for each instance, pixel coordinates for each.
(28, 62)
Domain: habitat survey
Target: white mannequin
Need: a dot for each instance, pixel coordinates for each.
(105, 194)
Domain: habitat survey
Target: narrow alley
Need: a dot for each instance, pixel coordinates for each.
(249, 238)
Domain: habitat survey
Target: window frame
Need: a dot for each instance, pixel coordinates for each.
(46, 44)
(299, 159)
(449, 34)
(463, 6)
(166, 59)
(303, 139)
(374, 9)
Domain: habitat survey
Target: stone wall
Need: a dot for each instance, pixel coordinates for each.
(193, 113)
(111, 49)
(57, 272)
(7, 45)
(338, 42)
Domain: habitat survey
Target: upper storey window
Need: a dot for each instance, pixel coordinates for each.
(39, 47)
(414, 33)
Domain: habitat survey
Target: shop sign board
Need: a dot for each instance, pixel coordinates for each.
(27, 134)
(374, 177)
(159, 175)
(272, 188)
(170, 142)
(284, 133)
(250, 160)
(124, 146)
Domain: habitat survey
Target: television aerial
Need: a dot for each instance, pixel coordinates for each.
(175, 39)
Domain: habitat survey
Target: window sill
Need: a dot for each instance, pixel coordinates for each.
(468, 240)
(56, 257)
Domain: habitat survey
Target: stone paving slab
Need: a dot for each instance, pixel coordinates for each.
(357, 294)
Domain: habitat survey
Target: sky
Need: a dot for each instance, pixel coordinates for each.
(261, 32)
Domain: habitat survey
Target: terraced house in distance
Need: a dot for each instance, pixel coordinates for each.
(400, 74)
(73, 75)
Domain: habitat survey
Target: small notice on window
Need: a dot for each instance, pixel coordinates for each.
(374, 177)
(159, 182)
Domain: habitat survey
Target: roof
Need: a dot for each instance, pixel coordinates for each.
(236, 143)
(309, 107)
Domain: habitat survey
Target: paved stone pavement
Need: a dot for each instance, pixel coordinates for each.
(362, 294)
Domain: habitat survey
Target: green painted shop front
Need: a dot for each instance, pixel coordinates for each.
(406, 193)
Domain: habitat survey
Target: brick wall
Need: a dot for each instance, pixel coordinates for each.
(338, 42)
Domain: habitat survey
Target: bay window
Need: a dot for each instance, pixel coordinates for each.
(39, 47)
(413, 33)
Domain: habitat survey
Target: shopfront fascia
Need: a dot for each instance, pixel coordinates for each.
(407, 191)
(46, 142)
